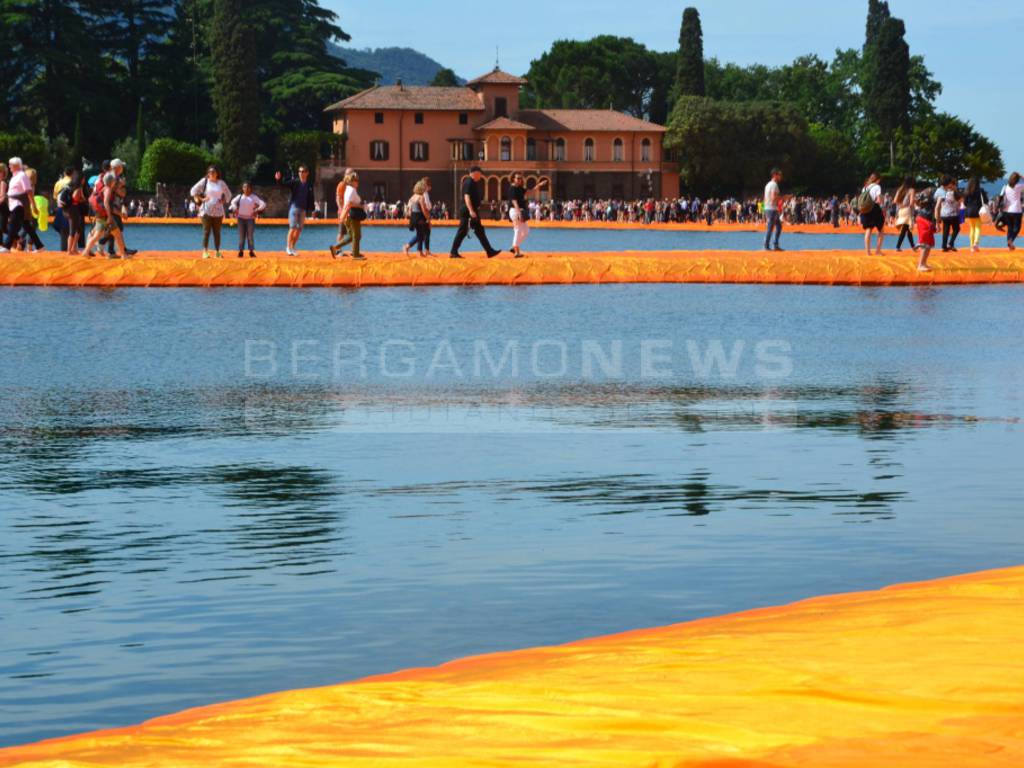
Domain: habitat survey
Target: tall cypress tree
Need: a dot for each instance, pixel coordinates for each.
(235, 88)
(878, 12)
(885, 75)
(690, 71)
(889, 103)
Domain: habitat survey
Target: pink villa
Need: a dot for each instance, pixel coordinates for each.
(395, 135)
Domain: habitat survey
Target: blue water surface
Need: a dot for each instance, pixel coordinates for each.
(211, 494)
(390, 239)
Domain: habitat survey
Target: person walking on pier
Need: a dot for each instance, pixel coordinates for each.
(904, 202)
(301, 205)
(1013, 196)
(469, 215)
(773, 210)
(872, 217)
(419, 218)
(947, 210)
(247, 206)
(351, 217)
(975, 200)
(212, 195)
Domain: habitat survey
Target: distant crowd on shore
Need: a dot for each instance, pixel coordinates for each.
(912, 208)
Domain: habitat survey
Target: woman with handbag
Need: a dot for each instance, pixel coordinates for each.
(975, 208)
(419, 218)
(352, 216)
(904, 202)
(1012, 194)
(212, 196)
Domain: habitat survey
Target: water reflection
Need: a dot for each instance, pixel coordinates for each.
(276, 517)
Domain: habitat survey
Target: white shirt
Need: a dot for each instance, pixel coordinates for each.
(20, 185)
(215, 198)
(875, 190)
(1012, 197)
(247, 206)
(771, 196)
(949, 207)
(352, 196)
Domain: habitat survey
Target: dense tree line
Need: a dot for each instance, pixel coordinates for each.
(92, 75)
(825, 122)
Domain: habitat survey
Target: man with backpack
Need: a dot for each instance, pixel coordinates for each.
(872, 217)
(120, 191)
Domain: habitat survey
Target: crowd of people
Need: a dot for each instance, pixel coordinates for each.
(104, 199)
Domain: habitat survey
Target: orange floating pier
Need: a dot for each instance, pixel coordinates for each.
(919, 675)
(179, 269)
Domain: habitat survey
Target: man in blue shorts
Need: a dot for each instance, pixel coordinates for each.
(301, 205)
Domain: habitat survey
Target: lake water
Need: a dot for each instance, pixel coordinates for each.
(211, 494)
(388, 239)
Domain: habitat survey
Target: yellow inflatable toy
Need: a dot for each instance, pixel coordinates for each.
(43, 216)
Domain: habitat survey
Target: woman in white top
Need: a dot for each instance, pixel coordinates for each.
(352, 216)
(1013, 196)
(904, 202)
(212, 196)
(247, 206)
(872, 216)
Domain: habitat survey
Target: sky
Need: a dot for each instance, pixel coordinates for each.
(966, 43)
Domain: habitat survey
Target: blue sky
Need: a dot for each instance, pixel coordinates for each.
(966, 43)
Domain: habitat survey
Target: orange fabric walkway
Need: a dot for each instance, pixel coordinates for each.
(928, 674)
(794, 267)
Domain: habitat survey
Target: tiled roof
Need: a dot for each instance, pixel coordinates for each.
(586, 120)
(504, 124)
(498, 77)
(418, 97)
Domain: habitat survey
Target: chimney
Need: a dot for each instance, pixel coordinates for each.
(398, 82)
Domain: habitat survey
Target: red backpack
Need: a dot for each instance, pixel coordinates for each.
(99, 209)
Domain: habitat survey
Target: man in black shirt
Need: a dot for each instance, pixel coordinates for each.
(469, 214)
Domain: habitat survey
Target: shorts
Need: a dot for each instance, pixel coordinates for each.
(296, 218)
(925, 232)
(873, 219)
(104, 226)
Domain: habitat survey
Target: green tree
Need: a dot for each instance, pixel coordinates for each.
(47, 49)
(945, 144)
(690, 71)
(299, 76)
(128, 31)
(604, 72)
(140, 132)
(887, 80)
(445, 78)
(235, 90)
(878, 14)
(729, 147)
(172, 162)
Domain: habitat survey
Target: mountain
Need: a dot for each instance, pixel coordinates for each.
(412, 67)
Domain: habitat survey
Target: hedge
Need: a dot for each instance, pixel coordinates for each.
(172, 162)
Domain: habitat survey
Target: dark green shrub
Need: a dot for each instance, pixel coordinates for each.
(172, 162)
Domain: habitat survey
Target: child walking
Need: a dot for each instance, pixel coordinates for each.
(925, 231)
(247, 206)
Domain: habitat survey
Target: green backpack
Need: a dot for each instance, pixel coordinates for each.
(865, 202)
